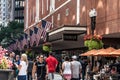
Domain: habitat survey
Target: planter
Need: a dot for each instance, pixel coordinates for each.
(93, 41)
(6, 74)
(47, 46)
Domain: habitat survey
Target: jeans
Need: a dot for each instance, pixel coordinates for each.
(22, 77)
(75, 79)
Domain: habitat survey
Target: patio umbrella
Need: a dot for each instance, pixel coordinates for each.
(115, 53)
(105, 52)
(110, 49)
(100, 52)
(89, 53)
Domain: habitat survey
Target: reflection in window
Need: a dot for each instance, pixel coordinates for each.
(19, 4)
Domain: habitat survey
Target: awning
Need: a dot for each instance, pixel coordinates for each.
(67, 36)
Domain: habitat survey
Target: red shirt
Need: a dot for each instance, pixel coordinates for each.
(52, 63)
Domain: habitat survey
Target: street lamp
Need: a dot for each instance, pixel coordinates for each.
(92, 15)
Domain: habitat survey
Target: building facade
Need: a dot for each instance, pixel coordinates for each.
(6, 11)
(107, 20)
(11, 10)
(64, 16)
(19, 10)
(74, 13)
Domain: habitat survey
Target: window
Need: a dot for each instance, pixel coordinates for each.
(3, 14)
(3, 18)
(47, 5)
(4, 5)
(52, 5)
(16, 4)
(58, 17)
(3, 9)
(42, 6)
(67, 11)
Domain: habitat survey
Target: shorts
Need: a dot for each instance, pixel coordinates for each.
(67, 76)
(50, 76)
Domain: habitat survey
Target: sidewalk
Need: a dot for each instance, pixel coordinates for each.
(57, 77)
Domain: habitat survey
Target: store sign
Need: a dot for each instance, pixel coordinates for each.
(70, 37)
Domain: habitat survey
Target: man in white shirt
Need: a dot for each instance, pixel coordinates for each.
(76, 68)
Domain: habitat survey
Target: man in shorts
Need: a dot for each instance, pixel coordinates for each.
(51, 66)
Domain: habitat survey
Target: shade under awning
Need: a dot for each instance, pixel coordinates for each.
(67, 37)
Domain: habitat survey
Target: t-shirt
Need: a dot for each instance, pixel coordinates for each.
(41, 69)
(76, 66)
(23, 70)
(52, 63)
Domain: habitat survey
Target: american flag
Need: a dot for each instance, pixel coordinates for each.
(46, 26)
(20, 42)
(16, 44)
(10, 48)
(24, 42)
(38, 33)
(32, 38)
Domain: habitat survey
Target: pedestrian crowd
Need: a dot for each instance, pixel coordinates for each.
(69, 68)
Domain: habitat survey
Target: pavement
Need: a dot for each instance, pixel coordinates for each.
(58, 77)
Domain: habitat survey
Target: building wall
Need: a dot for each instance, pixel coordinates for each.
(31, 12)
(62, 14)
(6, 11)
(108, 15)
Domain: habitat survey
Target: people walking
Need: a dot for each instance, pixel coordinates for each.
(84, 64)
(66, 69)
(40, 68)
(12, 59)
(51, 66)
(76, 68)
(22, 67)
(17, 61)
(30, 67)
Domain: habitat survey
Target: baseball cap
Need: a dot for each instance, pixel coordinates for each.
(74, 57)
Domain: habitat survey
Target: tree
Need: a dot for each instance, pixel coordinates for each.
(8, 34)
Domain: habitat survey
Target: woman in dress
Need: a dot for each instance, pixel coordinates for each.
(22, 67)
(66, 68)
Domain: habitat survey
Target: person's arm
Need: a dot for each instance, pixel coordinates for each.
(18, 66)
(56, 64)
(46, 69)
(80, 68)
(63, 66)
(34, 70)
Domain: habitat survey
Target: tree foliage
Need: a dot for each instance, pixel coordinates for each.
(11, 32)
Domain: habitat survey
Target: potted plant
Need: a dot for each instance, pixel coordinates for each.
(93, 41)
(47, 47)
(5, 66)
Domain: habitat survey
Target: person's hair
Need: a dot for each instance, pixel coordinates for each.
(50, 53)
(24, 56)
(66, 58)
(114, 68)
(41, 55)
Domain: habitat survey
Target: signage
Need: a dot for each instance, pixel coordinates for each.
(69, 37)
